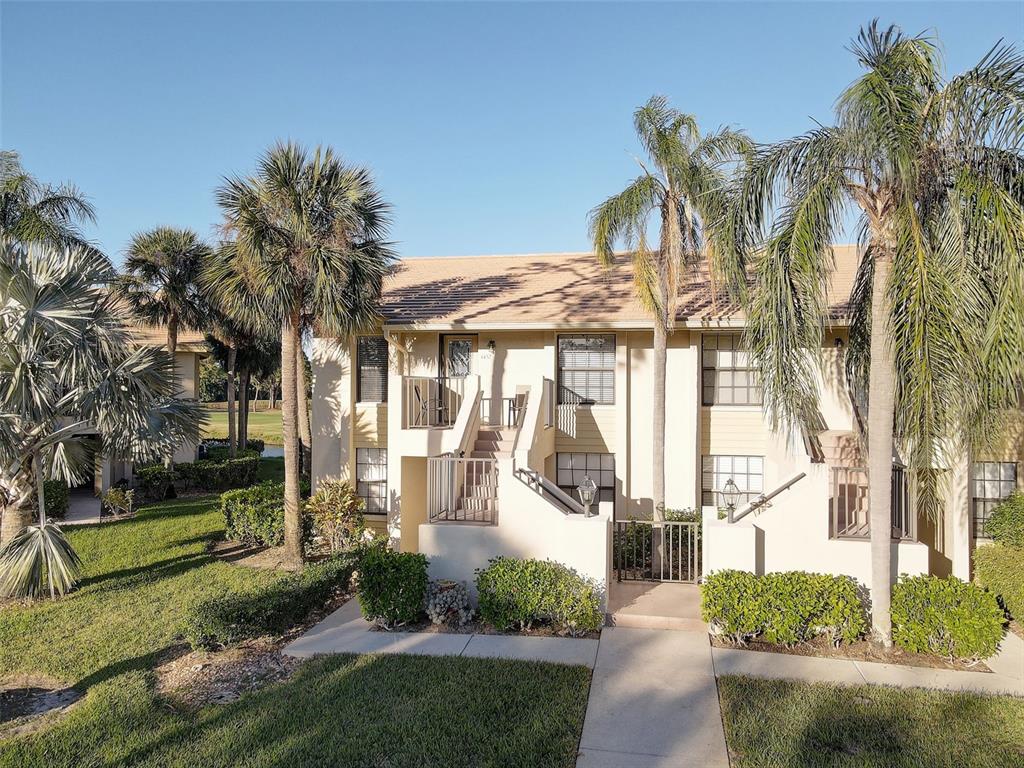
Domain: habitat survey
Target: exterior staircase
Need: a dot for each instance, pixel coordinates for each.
(493, 443)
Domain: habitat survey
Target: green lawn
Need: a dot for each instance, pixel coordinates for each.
(107, 637)
(773, 723)
(263, 425)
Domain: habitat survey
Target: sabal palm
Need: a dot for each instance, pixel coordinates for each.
(161, 282)
(686, 190)
(307, 246)
(68, 370)
(934, 170)
(33, 212)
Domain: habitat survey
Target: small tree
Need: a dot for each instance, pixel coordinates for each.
(67, 369)
(337, 514)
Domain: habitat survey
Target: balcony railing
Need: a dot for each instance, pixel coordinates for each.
(850, 511)
(502, 412)
(462, 490)
(432, 401)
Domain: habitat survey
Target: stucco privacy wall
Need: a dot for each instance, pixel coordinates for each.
(528, 527)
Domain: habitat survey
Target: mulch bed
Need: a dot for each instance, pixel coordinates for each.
(265, 558)
(477, 627)
(27, 702)
(862, 650)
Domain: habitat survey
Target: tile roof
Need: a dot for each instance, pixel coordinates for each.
(156, 336)
(560, 289)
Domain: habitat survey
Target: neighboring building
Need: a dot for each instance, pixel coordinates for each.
(191, 349)
(497, 383)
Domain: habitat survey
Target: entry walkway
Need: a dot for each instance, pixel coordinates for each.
(346, 631)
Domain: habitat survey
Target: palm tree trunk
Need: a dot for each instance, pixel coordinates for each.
(172, 335)
(243, 412)
(658, 447)
(305, 433)
(232, 435)
(881, 401)
(16, 516)
(289, 430)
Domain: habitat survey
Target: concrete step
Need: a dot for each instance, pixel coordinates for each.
(638, 621)
(494, 446)
(495, 434)
(490, 455)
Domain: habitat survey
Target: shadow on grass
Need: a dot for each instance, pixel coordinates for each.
(161, 569)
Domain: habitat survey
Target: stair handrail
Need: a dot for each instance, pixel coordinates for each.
(568, 503)
(764, 498)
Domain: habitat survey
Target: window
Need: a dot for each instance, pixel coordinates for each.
(372, 479)
(586, 369)
(746, 471)
(726, 373)
(372, 365)
(572, 467)
(991, 482)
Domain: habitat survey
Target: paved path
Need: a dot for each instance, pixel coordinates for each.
(1007, 667)
(83, 509)
(346, 631)
(653, 702)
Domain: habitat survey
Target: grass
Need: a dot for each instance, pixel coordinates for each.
(107, 637)
(799, 725)
(263, 425)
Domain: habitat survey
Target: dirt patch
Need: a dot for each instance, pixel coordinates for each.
(27, 703)
(218, 677)
(859, 651)
(264, 558)
(480, 628)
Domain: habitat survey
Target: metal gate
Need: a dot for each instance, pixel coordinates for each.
(646, 550)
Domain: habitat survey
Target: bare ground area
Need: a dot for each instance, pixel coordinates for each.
(859, 651)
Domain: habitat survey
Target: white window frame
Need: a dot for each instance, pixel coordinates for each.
(568, 395)
(725, 370)
(997, 480)
(372, 479)
(716, 469)
(360, 364)
(572, 466)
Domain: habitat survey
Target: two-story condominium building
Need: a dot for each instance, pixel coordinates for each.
(497, 383)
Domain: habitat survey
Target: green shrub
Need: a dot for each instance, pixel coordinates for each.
(516, 594)
(117, 501)
(948, 617)
(207, 475)
(255, 515)
(1006, 525)
(392, 585)
(1000, 570)
(336, 514)
(157, 482)
(55, 494)
(271, 610)
(785, 608)
(218, 449)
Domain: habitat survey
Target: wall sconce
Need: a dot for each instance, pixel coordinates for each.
(491, 345)
(839, 343)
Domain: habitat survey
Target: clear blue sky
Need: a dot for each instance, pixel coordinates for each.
(492, 128)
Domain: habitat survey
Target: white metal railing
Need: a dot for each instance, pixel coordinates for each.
(550, 492)
(509, 411)
(432, 401)
(462, 490)
(764, 498)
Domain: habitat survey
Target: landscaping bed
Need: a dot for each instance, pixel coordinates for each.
(861, 650)
(774, 723)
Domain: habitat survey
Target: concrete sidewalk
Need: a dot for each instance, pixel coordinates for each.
(1007, 667)
(653, 702)
(346, 631)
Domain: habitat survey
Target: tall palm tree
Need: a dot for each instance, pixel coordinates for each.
(934, 169)
(161, 281)
(33, 212)
(686, 190)
(68, 370)
(308, 244)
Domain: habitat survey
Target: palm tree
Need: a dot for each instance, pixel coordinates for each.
(934, 169)
(68, 371)
(33, 212)
(161, 280)
(307, 246)
(686, 189)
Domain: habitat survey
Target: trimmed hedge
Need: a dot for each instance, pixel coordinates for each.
(516, 594)
(272, 610)
(1001, 571)
(1006, 525)
(392, 585)
(217, 450)
(55, 494)
(783, 608)
(158, 483)
(947, 617)
(255, 515)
